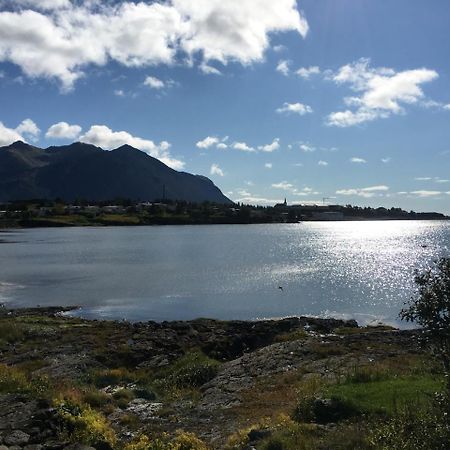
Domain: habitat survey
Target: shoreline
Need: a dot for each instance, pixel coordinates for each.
(208, 378)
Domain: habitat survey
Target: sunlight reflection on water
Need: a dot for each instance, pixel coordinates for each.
(348, 269)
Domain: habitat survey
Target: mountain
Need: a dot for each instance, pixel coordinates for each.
(88, 172)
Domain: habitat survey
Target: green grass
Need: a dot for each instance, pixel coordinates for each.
(387, 396)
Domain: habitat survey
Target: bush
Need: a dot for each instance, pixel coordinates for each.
(85, 425)
(431, 309)
(190, 371)
(413, 429)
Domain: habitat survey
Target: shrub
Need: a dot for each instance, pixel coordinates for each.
(413, 429)
(430, 309)
(190, 371)
(85, 425)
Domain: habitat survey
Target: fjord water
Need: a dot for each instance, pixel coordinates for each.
(361, 270)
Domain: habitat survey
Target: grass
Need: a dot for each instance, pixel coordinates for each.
(387, 396)
(296, 335)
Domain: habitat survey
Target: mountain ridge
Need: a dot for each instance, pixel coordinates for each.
(85, 171)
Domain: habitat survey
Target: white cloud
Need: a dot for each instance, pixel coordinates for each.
(294, 108)
(367, 192)
(275, 145)
(306, 72)
(268, 165)
(8, 135)
(322, 163)
(447, 107)
(208, 142)
(154, 83)
(279, 48)
(283, 67)
(44, 4)
(61, 43)
(209, 70)
(63, 130)
(358, 160)
(425, 193)
(284, 185)
(119, 93)
(216, 170)
(222, 146)
(307, 148)
(422, 178)
(27, 129)
(242, 146)
(385, 160)
(382, 91)
(108, 139)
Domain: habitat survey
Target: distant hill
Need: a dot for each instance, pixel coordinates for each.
(83, 171)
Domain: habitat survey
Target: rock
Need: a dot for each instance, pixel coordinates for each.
(78, 447)
(3, 447)
(33, 447)
(17, 437)
(144, 409)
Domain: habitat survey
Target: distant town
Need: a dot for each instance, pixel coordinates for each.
(44, 213)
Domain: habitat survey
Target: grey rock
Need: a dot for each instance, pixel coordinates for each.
(17, 437)
(78, 447)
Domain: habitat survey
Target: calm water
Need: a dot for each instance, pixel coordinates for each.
(362, 270)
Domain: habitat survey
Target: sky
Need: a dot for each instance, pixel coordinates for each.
(315, 101)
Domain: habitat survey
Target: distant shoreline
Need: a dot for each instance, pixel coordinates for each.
(30, 224)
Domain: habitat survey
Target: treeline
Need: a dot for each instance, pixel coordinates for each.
(161, 212)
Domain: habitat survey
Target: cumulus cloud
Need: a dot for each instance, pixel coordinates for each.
(208, 142)
(44, 4)
(216, 170)
(275, 145)
(367, 192)
(381, 91)
(386, 160)
(243, 147)
(108, 139)
(268, 165)
(306, 72)
(283, 67)
(294, 108)
(322, 163)
(154, 83)
(447, 107)
(8, 135)
(27, 129)
(62, 130)
(59, 39)
(358, 160)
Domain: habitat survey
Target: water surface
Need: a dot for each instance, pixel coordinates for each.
(362, 270)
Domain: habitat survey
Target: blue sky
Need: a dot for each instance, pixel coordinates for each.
(344, 99)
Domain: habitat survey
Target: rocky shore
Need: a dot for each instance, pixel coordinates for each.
(205, 377)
